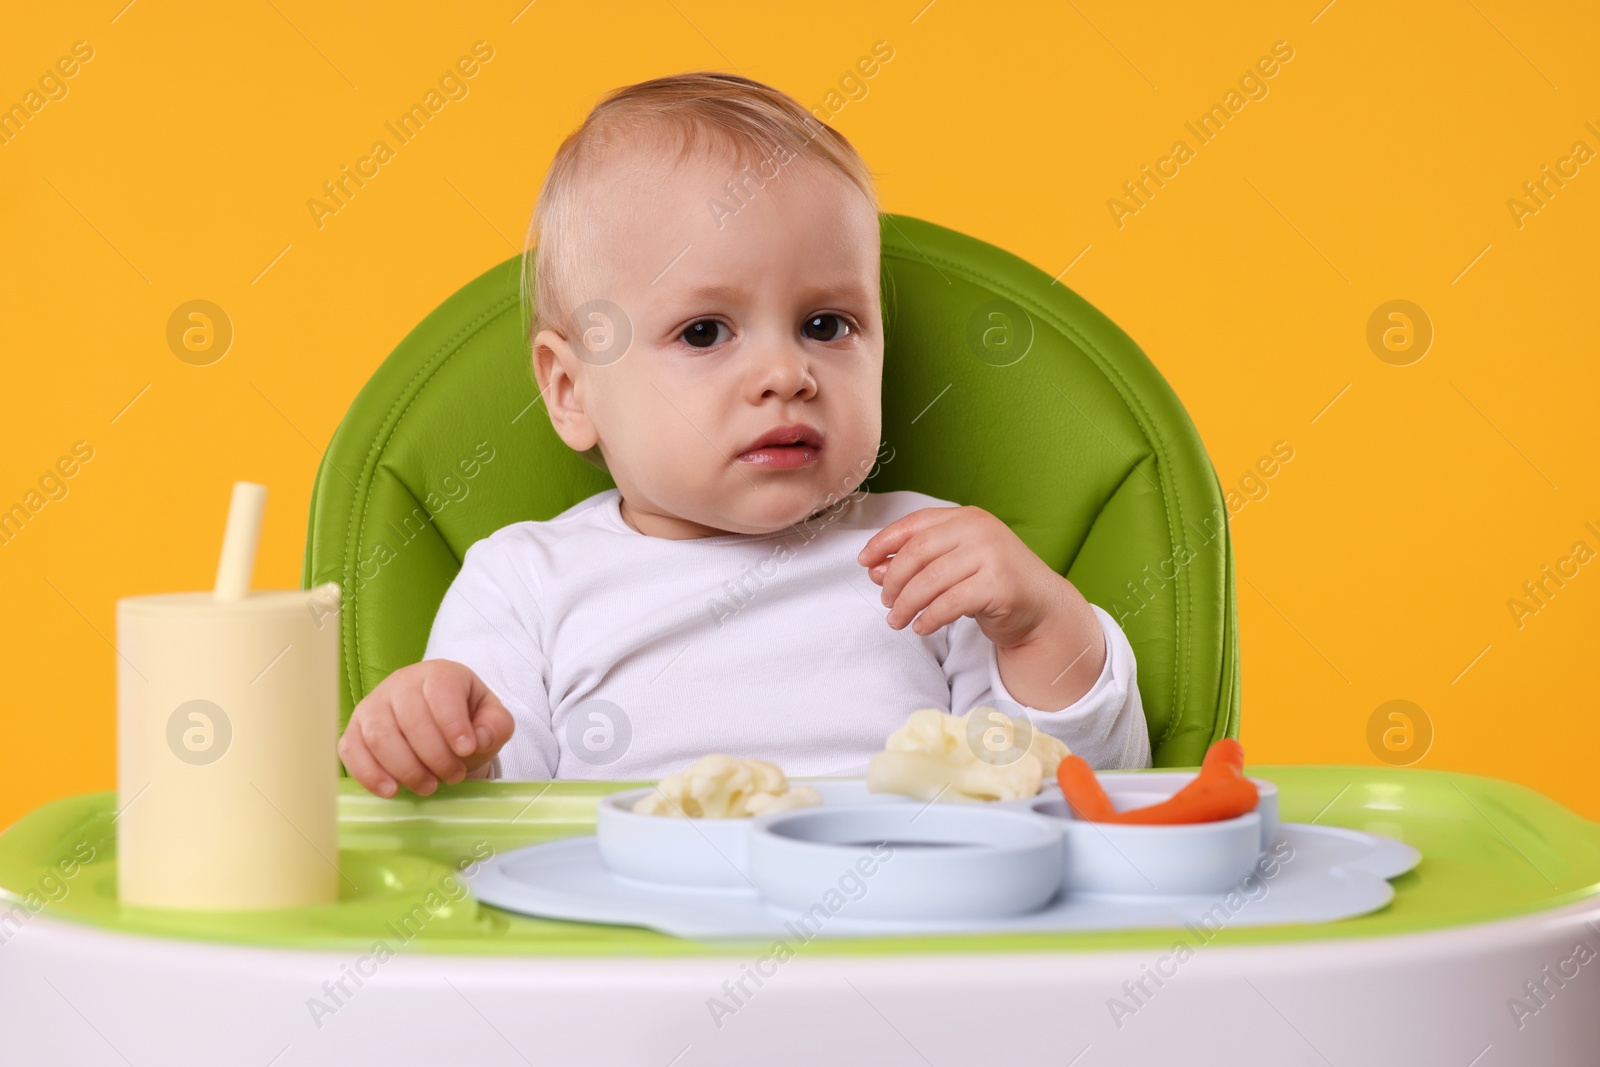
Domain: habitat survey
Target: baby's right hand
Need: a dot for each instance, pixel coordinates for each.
(425, 723)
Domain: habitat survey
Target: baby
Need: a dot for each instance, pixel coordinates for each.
(708, 330)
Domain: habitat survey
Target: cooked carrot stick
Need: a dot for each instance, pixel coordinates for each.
(1226, 751)
(1209, 798)
(1083, 790)
(1219, 791)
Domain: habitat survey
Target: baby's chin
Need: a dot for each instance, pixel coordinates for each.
(757, 516)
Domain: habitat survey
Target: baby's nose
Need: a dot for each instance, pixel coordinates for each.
(785, 371)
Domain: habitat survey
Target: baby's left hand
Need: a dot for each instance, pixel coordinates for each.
(950, 562)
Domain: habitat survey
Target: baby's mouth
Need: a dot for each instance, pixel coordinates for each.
(783, 448)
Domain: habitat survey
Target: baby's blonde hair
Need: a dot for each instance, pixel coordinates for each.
(761, 127)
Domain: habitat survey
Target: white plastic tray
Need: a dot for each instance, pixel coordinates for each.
(1320, 874)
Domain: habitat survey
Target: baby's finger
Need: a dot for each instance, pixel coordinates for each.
(492, 724)
(448, 692)
(362, 767)
(929, 583)
(389, 747)
(414, 711)
(964, 598)
(916, 554)
(889, 539)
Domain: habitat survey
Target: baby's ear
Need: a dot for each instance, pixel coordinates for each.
(545, 345)
(555, 368)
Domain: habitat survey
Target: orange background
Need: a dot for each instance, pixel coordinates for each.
(1377, 566)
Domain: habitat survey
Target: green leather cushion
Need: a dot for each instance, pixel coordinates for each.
(1001, 389)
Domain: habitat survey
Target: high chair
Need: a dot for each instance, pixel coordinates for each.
(1002, 389)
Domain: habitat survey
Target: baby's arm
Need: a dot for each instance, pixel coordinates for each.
(954, 561)
(482, 686)
(1050, 650)
(426, 723)
(490, 621)
(1056, 666)
(1106, 725)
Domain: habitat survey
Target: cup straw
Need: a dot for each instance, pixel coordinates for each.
(239, 541)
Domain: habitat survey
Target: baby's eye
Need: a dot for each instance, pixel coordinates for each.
(702, 334)
(826, 327)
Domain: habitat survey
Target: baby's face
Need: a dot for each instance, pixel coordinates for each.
(770, 322)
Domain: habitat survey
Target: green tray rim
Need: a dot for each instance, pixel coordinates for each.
(1492, 850)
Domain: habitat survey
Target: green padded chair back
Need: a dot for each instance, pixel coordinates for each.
(1001, 389)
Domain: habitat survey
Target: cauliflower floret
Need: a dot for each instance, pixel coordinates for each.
(1049, 751)
(925, 776)
(719, 786)
(930, 757)
(800, 796)
(932, 731)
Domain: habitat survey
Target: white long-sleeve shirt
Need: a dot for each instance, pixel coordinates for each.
(622, 655)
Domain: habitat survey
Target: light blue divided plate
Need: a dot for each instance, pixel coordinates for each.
(1313, 874)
